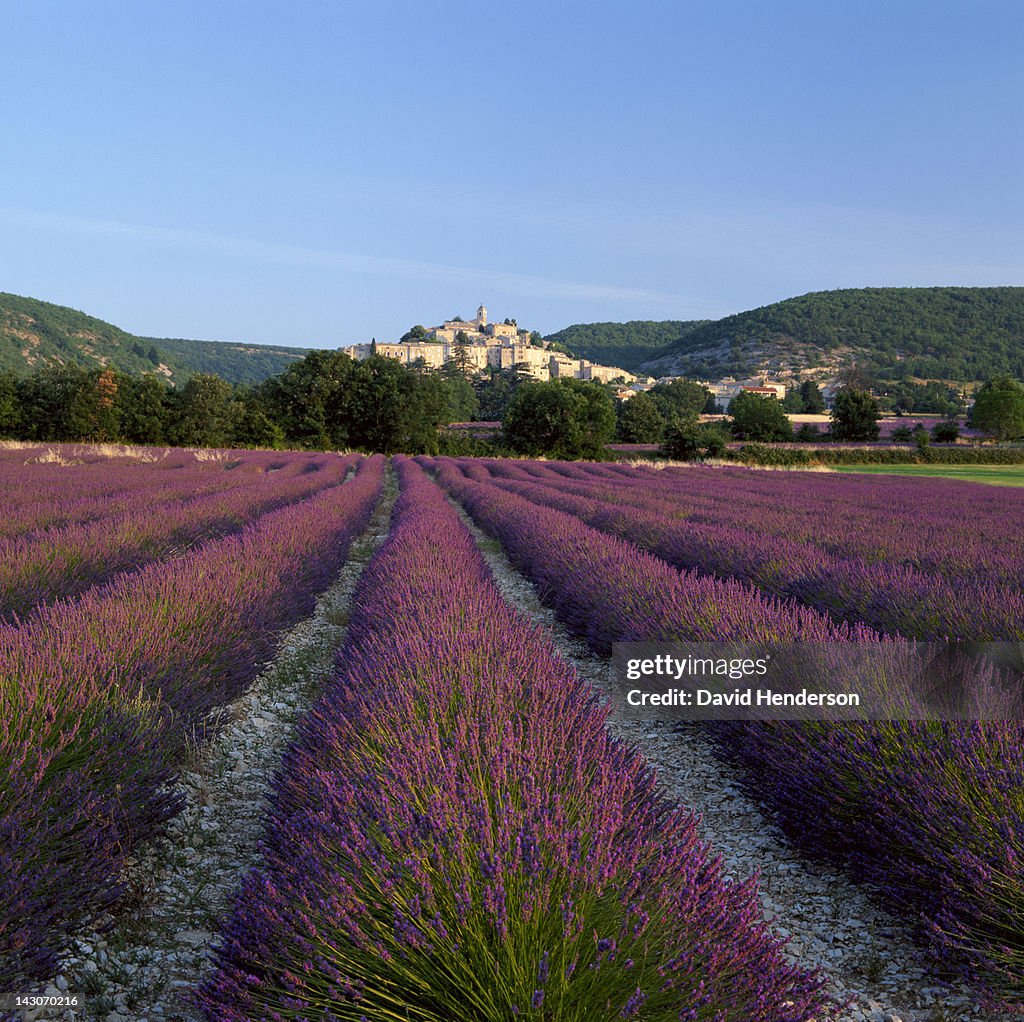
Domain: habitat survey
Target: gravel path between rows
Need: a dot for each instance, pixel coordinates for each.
(832, 924)
(181, 885)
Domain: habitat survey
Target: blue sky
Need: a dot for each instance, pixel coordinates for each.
(321, 172)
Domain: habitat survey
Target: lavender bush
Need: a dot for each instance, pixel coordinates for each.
(63, 562)
(896, 598)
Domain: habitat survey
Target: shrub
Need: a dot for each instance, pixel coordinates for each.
(686, 440)
(946, 432)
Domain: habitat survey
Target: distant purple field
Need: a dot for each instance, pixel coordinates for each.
(887, 426)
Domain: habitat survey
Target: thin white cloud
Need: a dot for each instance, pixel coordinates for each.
(345, 262)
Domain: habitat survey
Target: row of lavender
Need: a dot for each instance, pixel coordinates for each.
(954, 529)
(97, 697)
(42, 496)
(930, 815)
(46, 492)
(455, 835)
(892, 598)
(155, 521)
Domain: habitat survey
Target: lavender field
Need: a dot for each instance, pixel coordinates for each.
(457, 829)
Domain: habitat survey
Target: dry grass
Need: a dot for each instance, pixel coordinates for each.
(78, 454)
(52, 456)
(721, 463)
(208, 454)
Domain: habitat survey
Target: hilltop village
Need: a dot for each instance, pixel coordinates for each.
(481, 344)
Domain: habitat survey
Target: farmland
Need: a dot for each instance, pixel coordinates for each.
(995, 475)
(460, 827)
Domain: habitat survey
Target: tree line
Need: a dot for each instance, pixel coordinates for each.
(329, 400)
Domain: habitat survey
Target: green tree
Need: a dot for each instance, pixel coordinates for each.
(496, 388)
(254, 428)
(793, 403)
(306, 400)
(413, 334)
(568, 419)
(204, 414)
(460, 359)
(687, 440)
(855, 415)
(144, 406)
(329, 400)
(811, 398)
(946, 432)
(385, 407)
(680, 397)
(639, 420)
(10, 411)
(758, 418)
(999, 408)
(462, 400)
(69, 403)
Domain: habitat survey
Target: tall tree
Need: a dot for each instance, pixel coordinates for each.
(10, 412)
(204, 413)
(560, 418)
(680, 397)
(144, 405)
(758, 418)
(461, 360)
(306, 400)
(69, 403)
(855, 415)
(639, 421)
(811, 397)
(999, 408)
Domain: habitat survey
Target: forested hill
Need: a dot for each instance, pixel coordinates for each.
(36, 334)
(623, 344)
(944, 333)
(239, 363)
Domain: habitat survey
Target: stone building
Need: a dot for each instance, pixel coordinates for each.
(491, 345)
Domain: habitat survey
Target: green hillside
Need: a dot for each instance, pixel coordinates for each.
(35, 334)
(623, 344)
(944, 333)
(239, 363)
